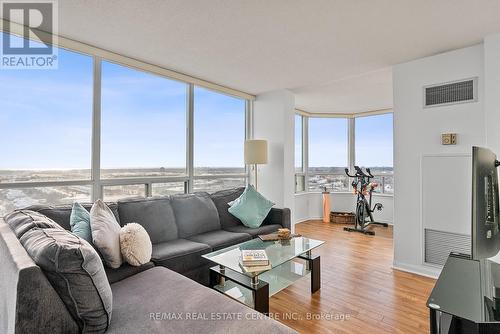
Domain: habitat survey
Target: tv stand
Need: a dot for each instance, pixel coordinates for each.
(464, 299)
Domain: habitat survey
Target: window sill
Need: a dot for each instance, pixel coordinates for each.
(340, 193)
(331, 192)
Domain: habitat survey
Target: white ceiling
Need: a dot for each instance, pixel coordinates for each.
(307, 46)
(366, 92)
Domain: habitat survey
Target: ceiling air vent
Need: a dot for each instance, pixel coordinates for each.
(462, 91)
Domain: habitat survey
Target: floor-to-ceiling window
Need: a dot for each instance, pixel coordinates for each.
(219, 136)
(328, 152)
(299, 142)
(98, 129)
(299, 156)
(143, 130)
(46, 133)
(374, 148)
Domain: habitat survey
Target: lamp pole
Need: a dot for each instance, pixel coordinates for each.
(255, 168)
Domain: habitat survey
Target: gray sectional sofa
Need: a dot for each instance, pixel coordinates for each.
(181, 228)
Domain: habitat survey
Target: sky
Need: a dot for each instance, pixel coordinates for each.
(46, 119)
(46, 123)
(144, 122)
(45, 115)
(328, 141)
(374, 141)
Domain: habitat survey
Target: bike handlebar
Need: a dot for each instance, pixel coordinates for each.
(359, 172)
(368, 171)
(347, 173)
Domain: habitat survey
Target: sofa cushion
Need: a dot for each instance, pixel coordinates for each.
(251, 207)
(131, 314)
(180, 255)
(200, 274)
(278, 216)
(221, 200)
(61, 213)
(80, 222)
(75, 270)
(125, 270)
(195, 213)
(220, 239)
(254, 232)
(21, 221)
(106, 234)
(135, 244)
(154, 214)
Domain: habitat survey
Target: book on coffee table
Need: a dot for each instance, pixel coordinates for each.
(255, 269)
(254, 257)
(275, 237)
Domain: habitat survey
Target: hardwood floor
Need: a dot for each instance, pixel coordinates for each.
(360, 292)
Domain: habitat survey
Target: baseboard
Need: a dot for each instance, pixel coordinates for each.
(302, 220)
(422, 270)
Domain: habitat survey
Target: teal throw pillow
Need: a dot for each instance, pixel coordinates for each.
(80, 222)
(251, 207)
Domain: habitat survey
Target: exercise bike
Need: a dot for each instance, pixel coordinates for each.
(364, 210)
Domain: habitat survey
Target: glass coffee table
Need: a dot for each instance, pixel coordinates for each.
(290, 261)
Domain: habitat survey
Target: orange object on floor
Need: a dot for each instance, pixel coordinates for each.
(326, 207)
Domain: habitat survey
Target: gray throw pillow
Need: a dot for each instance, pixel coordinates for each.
(75, 270)
(106, 234)
(21, 221)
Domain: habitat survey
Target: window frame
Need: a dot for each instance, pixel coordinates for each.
(351, 149)
(304, 173)
(348, 141)
(99, 114)
(192, 128)
(376, 175)
(96, 182)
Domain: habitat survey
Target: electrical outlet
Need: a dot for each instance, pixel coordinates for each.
(449, 139)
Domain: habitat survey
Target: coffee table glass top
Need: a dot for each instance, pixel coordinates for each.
(278, 252)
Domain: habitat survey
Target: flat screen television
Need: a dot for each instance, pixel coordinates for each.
(485, 207)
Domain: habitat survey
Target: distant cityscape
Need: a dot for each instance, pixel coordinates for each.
(15, 198)
(333, 178)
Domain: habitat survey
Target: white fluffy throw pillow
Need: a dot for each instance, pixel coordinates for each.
(135, 244)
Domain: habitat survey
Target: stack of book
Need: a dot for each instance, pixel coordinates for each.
(254, 260)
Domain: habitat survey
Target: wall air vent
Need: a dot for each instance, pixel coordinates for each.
(439, 244)
(462, 91)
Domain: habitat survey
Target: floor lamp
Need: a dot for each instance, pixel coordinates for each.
(255, 154)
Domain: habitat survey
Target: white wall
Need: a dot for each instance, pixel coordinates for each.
(417, 140)
(417, 134)
(273, 120)
(310, 206)
(492, 91)
(301, 207)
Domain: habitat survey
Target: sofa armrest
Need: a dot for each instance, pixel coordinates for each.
(28, 302)
(278, 216)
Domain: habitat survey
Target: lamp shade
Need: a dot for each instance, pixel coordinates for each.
(256, 151)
